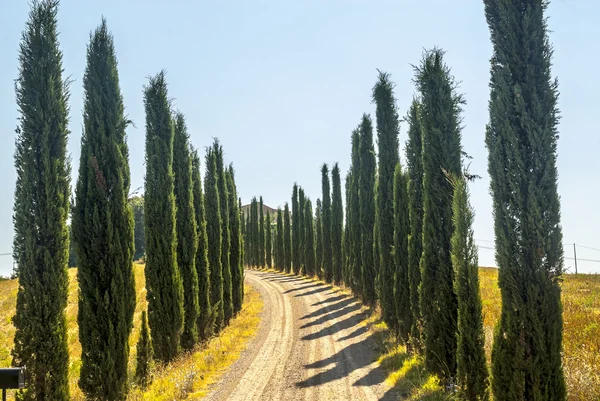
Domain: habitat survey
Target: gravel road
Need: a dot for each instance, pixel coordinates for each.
(310, 346)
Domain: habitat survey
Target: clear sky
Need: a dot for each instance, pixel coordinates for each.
(282, 84)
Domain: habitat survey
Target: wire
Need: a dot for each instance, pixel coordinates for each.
(587, 247)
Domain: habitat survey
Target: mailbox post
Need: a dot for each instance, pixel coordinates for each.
(11, 379)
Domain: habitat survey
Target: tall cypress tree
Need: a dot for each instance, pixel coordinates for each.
(414, 161)
(213, 231)
(301, 231)
(522, 138)
(143, 374)
(387, 141)
(163, 280)
(261, 234)
(295, 231)
(401, 231)
(366, 203)
(472, 374)
(279, 263)
(254, 230)
(103, 228)
(353, 220)
(206, 316)
(41, 208)
(242, 247)
(326, 225)
(287, 239)
(440, 118)
(225, 232)
(346, 250)
(309, 240)
(235, 258)
(268, 244)
(337, 224)
(244, 225)
(187, 240)
(319, 240)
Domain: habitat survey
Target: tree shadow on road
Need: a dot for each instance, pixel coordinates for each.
(326, 309)
(303, 287)
(320, 289)
(333, 315)
(338, 326)
(329, 300)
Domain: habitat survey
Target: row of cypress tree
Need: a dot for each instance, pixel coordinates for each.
(408, 239)
(194, 245)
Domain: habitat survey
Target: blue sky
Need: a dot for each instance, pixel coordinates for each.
(282, 84)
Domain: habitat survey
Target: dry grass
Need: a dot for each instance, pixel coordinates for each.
(231, 342)
(581, 312)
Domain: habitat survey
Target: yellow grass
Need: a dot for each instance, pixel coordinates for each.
(245, 325)
(581, 340)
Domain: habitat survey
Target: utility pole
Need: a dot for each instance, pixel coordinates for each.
(575, 257)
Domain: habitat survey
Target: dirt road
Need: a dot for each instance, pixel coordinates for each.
(310, 346)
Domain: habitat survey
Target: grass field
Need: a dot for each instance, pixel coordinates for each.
(186, 378)
(581, 314)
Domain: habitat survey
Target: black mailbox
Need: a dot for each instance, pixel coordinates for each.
(12, 378)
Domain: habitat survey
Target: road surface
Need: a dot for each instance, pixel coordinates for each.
(311, 346)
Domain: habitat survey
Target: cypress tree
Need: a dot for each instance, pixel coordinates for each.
(309, 241)
(187, 240)
(440, 119)
(206, 316)
(326, 225)
(144, 355)
(337, 224)
(353, 220)
(295, 231)
(472, 374)
(213, 231)
(287, 239)
(414, 161)
(255, 230)
(401, 231)
(279, 241)
(366, 204)
(244, 233)
(261, 234)
(521, 139)
(235, 258)
(103, 228)
(387, 141)
(319, 240)
(242, 248)
(268, 245)
(139, 241)
(163, 280)
(41, 208)
(346, 250)
(225, 233)
(301, 230)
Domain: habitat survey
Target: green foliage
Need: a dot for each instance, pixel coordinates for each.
(472, 374)
(225, 232)
(268, 245)
(143, 374)
(261, 234)
(414, 160)
(72, 254)
(401, 231)
(309, 240)
(440, 122)
(353, 220)
(279, 261)
(287, 239)
(326, 225)
(139, 240)
(187, 240)
(103, 228)
(163, 281)
(206, 316)
(387, 141)
(346, 250)
(41, 208)
(337, 224)
(295, 231)
(319, 240)
(235, 257)
(240, 285)
(254, 231)
(522, 139)
(366, 203)
(213, 230)
(301, 228)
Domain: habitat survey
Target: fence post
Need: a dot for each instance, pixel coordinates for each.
(575, 257)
